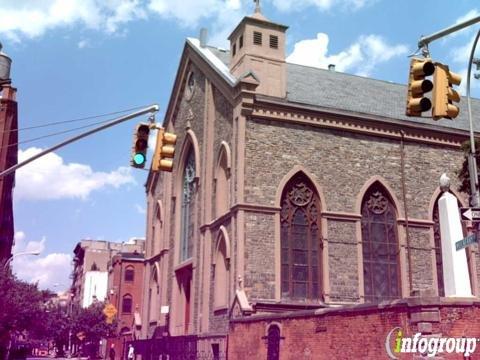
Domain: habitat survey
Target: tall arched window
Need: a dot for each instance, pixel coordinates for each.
(301, 273)
(381, 269)
(273, 343)
(221, 275)
(127, 304)
(156, 231)
(221, 187)
(187, 212)
(129, 274)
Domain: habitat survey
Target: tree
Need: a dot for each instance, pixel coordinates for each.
(92, 322)
(21, 307)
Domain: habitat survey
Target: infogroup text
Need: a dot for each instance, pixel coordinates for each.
(396, 343)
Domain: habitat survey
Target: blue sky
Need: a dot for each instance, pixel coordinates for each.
(77, 58)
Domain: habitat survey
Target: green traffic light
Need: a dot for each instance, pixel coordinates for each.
(139, 159)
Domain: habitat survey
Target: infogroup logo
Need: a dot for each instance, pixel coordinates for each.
(396, 343)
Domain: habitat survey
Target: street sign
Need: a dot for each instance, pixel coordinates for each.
(472, 214)
(110, 311)
(469, 240)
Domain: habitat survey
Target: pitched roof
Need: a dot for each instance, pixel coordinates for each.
(356, 94)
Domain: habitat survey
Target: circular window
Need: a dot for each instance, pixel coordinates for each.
(190, 88)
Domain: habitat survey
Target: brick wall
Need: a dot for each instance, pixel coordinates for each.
(358, 332)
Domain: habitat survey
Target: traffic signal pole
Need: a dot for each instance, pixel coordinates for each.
(149, 109)
(472, 163)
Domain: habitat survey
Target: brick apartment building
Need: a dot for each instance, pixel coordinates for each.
(8, 156)
(90, 268)
(302, 201)
(125, 292)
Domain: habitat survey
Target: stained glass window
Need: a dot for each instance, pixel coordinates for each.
(380, 246)
(187, 214)
(300, 240)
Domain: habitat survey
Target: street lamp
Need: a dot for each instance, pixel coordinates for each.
(5, 266)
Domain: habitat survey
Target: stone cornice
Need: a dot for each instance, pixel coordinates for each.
(284, 111)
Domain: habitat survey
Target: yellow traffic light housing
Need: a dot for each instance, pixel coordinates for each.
(418, 86)
(164, 151)
(443, 94)
(140, 145)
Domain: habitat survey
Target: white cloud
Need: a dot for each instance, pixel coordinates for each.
(32, 18)
(140, 209)
(83, 44)
(360, 58)
(288, 5)
(50, 270)
(50, 178)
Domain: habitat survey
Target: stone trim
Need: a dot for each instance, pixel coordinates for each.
(266, 108)
(413, 305)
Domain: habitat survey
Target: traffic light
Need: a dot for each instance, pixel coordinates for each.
(140, 145)
(418, 86)
(443, 94)
(164, 151)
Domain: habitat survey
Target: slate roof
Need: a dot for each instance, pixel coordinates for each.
(356, 94)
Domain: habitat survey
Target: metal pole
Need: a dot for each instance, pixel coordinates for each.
(152, 108)
(472, 161)
(425, 40)
(5, 266)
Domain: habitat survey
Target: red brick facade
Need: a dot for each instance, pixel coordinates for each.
(8, 158)
(125, 292)
(357, 332)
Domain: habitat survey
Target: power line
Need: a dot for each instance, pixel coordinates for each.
(56, 133)
(72, 120)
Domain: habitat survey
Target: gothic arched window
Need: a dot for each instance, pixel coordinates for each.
(273, 343)
(188, 190)
(221, 276)
(381, 269)
(300, 240)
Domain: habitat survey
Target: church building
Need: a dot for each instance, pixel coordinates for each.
(296, 191)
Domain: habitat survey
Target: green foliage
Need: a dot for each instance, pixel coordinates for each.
(20, 304)
(463, 174)
(92, 322)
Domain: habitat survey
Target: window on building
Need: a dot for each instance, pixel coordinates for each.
(273, 343)
(274, 41)
(187, 215)
(300, 240)
(234, 49)
(381, 269)
(221, 187)
(240, 42)
(129, 274)
(127, 304)
(221, 276)
(257, 38)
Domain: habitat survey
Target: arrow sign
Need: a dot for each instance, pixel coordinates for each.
(469, 240)
(472, 214)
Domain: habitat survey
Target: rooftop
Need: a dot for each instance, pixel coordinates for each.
(351, 93)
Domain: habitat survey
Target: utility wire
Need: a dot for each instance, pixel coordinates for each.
(56, 133)
(73, 120)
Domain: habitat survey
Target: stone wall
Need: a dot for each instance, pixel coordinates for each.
(341, 163)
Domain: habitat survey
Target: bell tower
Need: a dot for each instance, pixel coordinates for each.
(258, 45)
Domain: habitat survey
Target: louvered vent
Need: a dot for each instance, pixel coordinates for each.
(274, 41)
(257, 38)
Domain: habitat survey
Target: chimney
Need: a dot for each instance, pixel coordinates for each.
(203, 37)
(331, 67)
